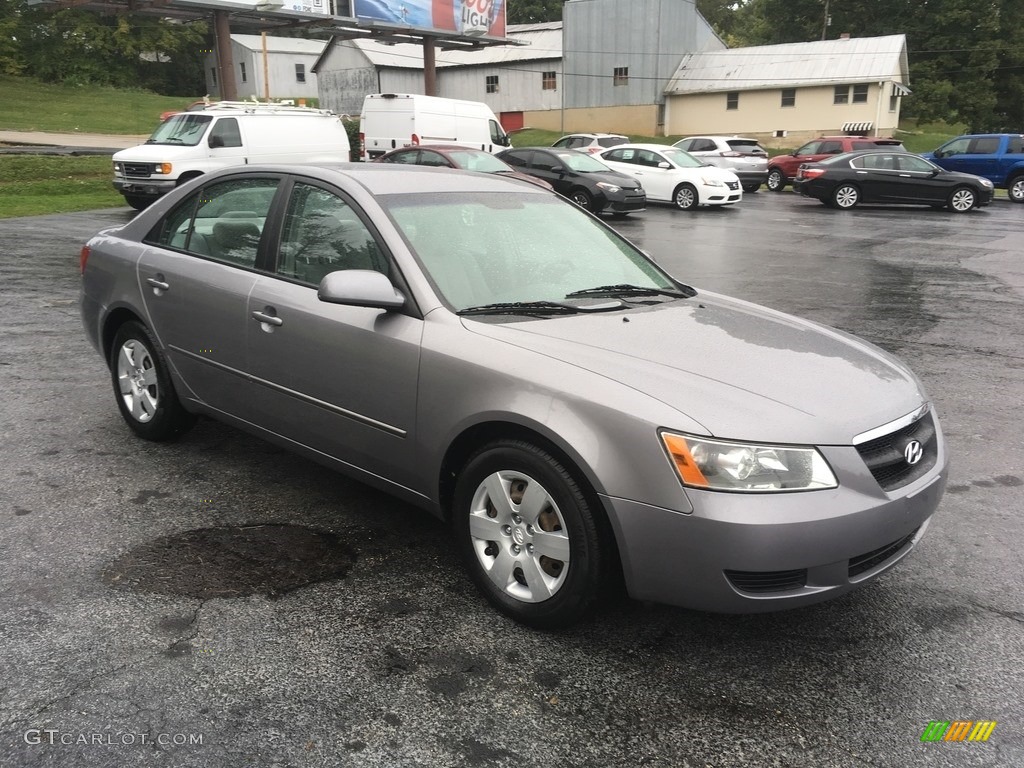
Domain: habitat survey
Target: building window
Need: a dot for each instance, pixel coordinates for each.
(492, 83)
(842, 95)
(732, 100)
(300, 73)
(213, 74)
(789, 97)
(860, 93)
(242, 67)
(894, 99)
(620, 76)
(548, 81)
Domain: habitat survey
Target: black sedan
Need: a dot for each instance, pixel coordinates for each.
(583, 179)
(452, 156)
(873, 176)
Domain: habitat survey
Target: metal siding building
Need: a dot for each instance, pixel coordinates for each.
(283, 54)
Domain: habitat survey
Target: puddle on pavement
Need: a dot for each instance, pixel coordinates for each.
(232, 561)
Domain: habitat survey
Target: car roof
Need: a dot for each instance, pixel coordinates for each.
(654, 147)
(861, 138)
(593, 135)
(718, 136)
(437, 148)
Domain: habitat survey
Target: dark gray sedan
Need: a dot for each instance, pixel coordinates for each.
(504, 360)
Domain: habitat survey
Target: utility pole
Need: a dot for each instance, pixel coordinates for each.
(825, 22)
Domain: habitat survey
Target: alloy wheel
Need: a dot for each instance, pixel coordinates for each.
(137, 380)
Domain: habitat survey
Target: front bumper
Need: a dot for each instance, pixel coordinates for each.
(626, 202)
(748, 553)
(144, 187)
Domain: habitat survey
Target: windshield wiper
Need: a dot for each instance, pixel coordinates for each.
(521, 307)
(625, 289)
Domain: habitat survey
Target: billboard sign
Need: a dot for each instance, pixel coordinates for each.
(463, 17)
(308, 6)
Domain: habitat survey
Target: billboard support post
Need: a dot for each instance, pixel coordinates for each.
(429, 68)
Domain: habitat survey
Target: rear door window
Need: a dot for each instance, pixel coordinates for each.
(986, 145)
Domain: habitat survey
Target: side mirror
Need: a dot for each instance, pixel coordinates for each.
(665, 164)
(216, 141)
(939, 153)
(556, 169)
(360, 288)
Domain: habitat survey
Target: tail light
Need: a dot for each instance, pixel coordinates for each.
(810, 173)
(415, 140)
(732, 154)
(83, 257)
(362, 145)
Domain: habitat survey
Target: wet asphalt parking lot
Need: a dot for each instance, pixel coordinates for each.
(219, 602)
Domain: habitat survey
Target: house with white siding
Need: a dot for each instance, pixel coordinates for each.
(285, 65)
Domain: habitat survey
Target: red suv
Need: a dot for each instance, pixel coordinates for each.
(782, 168)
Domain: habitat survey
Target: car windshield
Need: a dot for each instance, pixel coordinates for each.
(582, 162)
(474, 160)
(184, 129)
(681, 158)
(746, 146)
(490, 248)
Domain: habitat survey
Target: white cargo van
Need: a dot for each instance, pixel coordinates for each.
(392, 120)
(226, 133)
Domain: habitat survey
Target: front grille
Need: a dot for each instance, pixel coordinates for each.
(885, 458)
(767, 581)
(732, 184)
(139, 170)
(869, 560)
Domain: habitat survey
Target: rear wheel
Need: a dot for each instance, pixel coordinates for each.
(775, 182)
(142, 385)
(528, 534)
(685, 197)
(582, 198)
(751, 187)
(845, 196)
(1015, 189)
(962, 199)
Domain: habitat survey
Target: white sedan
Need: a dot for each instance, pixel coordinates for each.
(674, 176)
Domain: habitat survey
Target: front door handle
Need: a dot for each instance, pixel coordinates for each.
(263, 317)
(159, 284)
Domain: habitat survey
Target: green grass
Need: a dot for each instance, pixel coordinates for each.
(29, 105)
(31, 185)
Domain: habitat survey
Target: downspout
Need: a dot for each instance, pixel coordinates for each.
(878, 109)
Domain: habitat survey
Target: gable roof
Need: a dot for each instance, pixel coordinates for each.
(543, 41)
(276, 44)
(792, 65)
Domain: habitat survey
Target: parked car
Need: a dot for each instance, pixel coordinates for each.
(451, 156)
(847, 180)
(586, 181)
(782, 168)
(195, 106)
(744, 157)
(673, 176)
(999, 157)
(591, 143)
(508, 362)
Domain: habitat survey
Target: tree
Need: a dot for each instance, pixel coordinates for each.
(534, 11)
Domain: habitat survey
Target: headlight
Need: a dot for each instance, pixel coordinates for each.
(720, 465)
(608, 187)
(986, 183)
(712, 182)
(162, 168)
(118, 168)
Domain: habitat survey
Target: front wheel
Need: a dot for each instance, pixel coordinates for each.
(775, 182)
(962, 199)
(846, 196)
(582, 198)
(529, 535)
(751, 187)
(142, 385)
(1015, 189)
(685, 197)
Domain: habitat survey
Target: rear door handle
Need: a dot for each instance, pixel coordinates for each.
(263, 317)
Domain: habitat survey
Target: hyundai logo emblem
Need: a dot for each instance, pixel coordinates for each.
(913, 452)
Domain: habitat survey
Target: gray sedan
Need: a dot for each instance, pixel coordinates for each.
(507, 362)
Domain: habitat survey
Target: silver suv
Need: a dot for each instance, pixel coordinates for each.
(744, 157)
(591, 143)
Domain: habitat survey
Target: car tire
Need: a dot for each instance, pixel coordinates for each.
(1015, 189)
(751, 187)
(142, 386)
(685, 197)
(962, 199)
(845, 197)
(582, 198)
(529, 534)
(775, 182)
(137, 202)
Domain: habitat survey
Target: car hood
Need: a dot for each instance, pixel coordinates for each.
(739, 370)
(611, 177)
(153, 153)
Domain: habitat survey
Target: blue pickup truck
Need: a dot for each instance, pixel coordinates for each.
(999, 157)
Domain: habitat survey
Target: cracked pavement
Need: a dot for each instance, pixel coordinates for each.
(221, 588)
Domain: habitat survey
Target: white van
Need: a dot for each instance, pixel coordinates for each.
(392, 120)
(226, 133)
